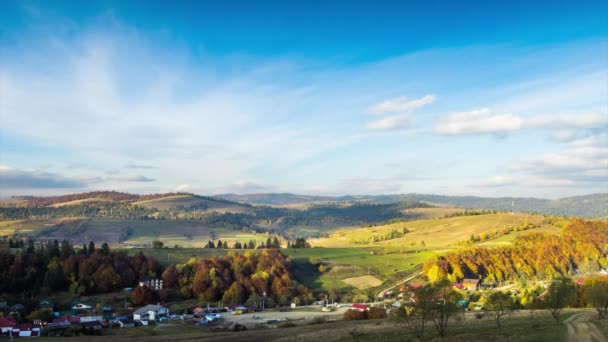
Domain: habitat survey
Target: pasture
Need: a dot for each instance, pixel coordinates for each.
(342, 263)
(431, 233)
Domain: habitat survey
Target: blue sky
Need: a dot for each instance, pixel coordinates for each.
(311, 97)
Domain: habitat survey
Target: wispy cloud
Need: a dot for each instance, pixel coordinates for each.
(132, 178)
(400, 109)
(478, 121)
(139, 166)
(481, 121)
(582, 163)
(393, 122)
(401, 104)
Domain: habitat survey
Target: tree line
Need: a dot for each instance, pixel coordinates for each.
(41, 268)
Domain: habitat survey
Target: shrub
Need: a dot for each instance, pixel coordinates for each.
(354, 315)
(286, 324)
(375, 313)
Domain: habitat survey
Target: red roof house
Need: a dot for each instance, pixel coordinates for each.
(360, 307)
(6, 325)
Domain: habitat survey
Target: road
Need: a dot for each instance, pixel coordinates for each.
(582, 329)
(295, 315)
(381, 293)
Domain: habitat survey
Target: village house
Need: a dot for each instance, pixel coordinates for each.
(359, 307)
(6, 325)
(80, 306)
(471, 284)
(150, 313)
(151, 282)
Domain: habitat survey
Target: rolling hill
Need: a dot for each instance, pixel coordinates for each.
(589, 206)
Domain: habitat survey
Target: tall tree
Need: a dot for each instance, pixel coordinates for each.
(561, 293)
(499, 303)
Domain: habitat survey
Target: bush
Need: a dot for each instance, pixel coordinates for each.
(286, 324)
(376, 313)
(354, 315)
(318, 320)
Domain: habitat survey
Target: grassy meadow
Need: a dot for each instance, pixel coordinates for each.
(432, 233)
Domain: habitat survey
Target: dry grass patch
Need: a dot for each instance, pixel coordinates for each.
(363, 282)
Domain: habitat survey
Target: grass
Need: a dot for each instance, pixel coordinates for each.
(24, 227)
(187, 201)
(521, 326)
(343, 263)
(167, 256)
(435, 233)
(602, 325)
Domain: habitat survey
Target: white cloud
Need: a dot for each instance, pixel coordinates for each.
(401, 104)
(582, 163)
(132, 178)
(484, 120)
(478, 121)
(393, 122)
(577, 120)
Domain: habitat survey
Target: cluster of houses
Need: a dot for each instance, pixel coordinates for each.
(9, 327)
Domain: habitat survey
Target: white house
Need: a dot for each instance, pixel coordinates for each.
(150, 313)
(81, 306)
(151, 282)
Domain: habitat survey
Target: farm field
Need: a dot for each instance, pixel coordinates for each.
(193, 202)
(125, 232)
(435, 233)
(342, 263)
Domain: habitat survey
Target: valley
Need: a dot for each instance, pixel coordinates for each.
(348, 252)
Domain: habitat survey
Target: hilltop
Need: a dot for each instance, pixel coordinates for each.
(589, 206)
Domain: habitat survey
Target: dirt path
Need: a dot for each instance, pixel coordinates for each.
(582, 329)
(381, 293)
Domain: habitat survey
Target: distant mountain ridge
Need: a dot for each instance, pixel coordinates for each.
(590, 206)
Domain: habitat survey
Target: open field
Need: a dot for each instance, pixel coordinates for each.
(194, 202)
(363, 282)
(520, 326)
(343, 263)
(125, 232)
(167, 256)
(81, 201)
(435, 233)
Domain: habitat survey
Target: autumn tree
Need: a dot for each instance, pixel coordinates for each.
(444, 305)
(499, 303)
(170, 277)
(143, 295)
(597, 296)
(419, 312)
(561, 293)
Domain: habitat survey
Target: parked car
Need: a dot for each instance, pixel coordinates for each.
(163, 319)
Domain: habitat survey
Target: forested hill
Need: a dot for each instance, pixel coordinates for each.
(590, 206)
